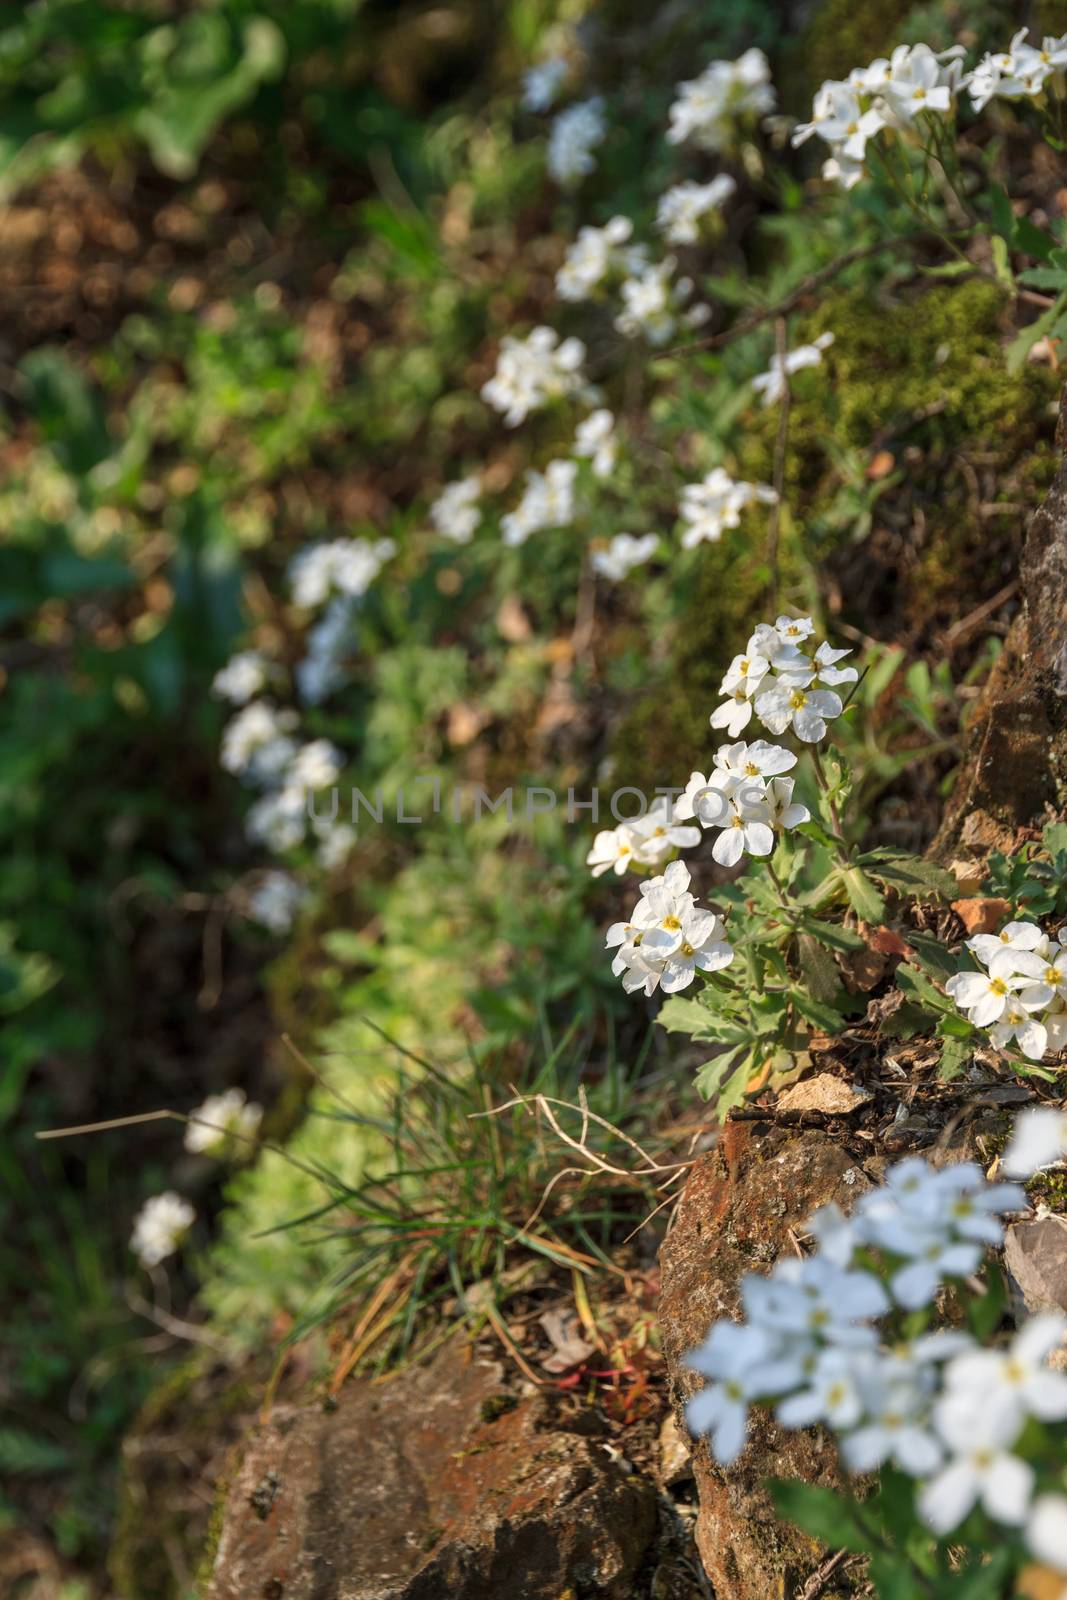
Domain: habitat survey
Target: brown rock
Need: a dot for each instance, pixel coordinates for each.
(1035, 1253)
(435, 1483)
(1016, 759)
(737, 1211)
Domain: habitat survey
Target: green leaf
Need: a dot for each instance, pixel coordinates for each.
(986, 1312)
(1001, 260)
(933, 956)
(823, 1513)
(831, 934)
(862, 895)
(826, 1017)
(912, 876)
(680, 1015)
(955, 1054)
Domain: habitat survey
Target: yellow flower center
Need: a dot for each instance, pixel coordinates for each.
(797, 699)
(835, 1394)
(624, 849)
(671, 923)
(751, 769)
(998, 986)
(920, 94)
(687, 948)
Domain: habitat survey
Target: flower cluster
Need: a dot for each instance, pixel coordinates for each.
(1022, 72)
(668, 937)
(595, 441)
(455, 513)
(623, 554)
(222, 1120)
(889, 93)
(541, 84)
(160, 1226)
(576, 133)
(784, 679)
(533, 371)
(646, 841)
(245, 675)
(652, 306)
(682, 209)
(746, 798)
(596, 255)
(275, 901)
(547, 502)
(771, 384)
(709, 109)
(937, 1406)
(1021, 996)
(341, 566)
(715, 504)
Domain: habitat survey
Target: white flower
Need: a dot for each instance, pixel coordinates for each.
(595, 439)
(1019, 1378)
(735, 764)
(1038, 1139)
(918, 82)
(455, 513)
(1046, 1531)
(660, 831)
(709, 109)
(343, 566)
(705, 799)
(159, 1227)
(811, 1296)
(832, 1395)
(1018, 1025)
(896, 1402)
(716, 503)
(1014, 936)
(315, 766)
(256, 742)
(748, 827)
(542, 83)
(742, 683)
(275, 901)
(613, 850)
(771, 384)
(596, 254)
(784, 812)
(533, 371)
(278, 820)
(650, 302)
(1021, 71)
(623, 554)
(794, 703)
(243, 676)
(668, 937)
(576, 133)
(680, 210)
(843, 122)
(547, 502)
(729, 1355)
(336, 842)
(980, 1466)
(933, 1259)
(219, 1118)
(322, 668)
(984, 996)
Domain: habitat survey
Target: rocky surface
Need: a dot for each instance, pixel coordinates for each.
(436, 1483)
(1016, 761)
(743, 1206)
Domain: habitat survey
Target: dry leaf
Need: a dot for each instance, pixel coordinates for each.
(981, 916)
(512, 622)
(569, 1347)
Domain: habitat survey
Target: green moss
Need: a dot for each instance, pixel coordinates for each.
(922, 381)
(843, 34)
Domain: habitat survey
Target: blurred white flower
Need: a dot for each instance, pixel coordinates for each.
(220, 1117)
(455, 514)
(681, 209)
(159, 1227)
(576, 133)
(623, 554)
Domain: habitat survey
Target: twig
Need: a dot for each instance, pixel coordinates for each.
(778, 480)
(806, 286)
(817, 1582)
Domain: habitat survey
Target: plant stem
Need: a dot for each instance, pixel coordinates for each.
(821, 780)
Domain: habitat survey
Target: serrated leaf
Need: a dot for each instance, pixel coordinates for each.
(910, 875)
(862, 895)
(826, 1017)
(955, 1054)
(681, 1015)
(831, 934)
